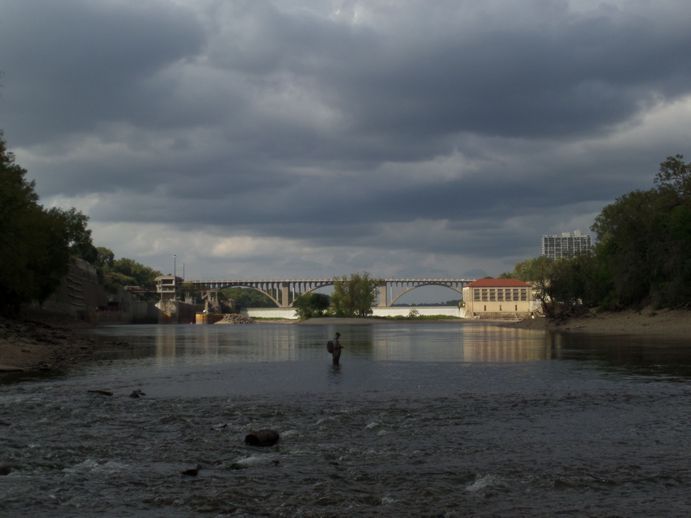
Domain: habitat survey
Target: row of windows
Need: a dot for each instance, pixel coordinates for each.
(500, 294)
(515, 308)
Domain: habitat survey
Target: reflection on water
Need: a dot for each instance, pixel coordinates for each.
(170, 346)
(382, 342)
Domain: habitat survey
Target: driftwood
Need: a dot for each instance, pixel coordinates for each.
(262, 438)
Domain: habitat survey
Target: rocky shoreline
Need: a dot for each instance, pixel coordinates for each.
(42, 343)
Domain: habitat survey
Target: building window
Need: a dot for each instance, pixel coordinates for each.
(485, 308)
(499, 307)
(484, 294)
(476, 294)
(515, 308)
(515, 294)
(524, 294)
(492, 295)
(500, 294)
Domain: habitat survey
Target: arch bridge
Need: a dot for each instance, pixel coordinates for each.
(284, 292)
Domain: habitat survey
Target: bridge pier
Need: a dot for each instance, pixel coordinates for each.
(383, 296)
(285, 295)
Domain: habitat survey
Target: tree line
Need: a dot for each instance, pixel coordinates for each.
(642, 254)
(38, 243)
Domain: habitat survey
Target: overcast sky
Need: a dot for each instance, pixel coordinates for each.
(323, 137)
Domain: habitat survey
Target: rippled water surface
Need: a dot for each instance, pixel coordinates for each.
(419, 420)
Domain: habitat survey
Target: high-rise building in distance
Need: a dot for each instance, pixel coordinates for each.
(566, 244)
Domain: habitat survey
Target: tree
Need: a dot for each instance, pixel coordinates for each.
(538, 272)
(104, 257)
(78, 234)
(247, 298)
(354, 296)
(642, 252)
(675, 174)
(33, 242)
(311, 305)
(131, 272)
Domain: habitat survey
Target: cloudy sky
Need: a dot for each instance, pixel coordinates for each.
(322, 137)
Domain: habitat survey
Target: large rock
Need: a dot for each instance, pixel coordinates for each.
(262, 438)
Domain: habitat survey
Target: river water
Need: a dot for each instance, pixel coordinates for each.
(419, 420)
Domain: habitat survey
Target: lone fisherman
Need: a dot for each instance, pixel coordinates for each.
(337, 349)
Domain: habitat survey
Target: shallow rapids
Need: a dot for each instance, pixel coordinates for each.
(420, 420)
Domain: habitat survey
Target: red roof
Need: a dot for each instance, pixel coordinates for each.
(498, 283)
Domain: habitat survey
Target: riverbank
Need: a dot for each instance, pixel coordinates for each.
(665, 323)
(35, 344)
(41, 341)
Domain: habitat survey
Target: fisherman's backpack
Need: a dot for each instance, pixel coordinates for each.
(330, 346)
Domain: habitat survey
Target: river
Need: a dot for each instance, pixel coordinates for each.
(423, 419)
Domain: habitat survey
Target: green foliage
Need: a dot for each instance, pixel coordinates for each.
(354, 296)
(537, 269)
(643, 251)
(118, 273)
(78, 235)
(538, 272)
(104, 257)
(247, 298)
(34, 242)
(675, 174)
(311, 305)
(124, 272)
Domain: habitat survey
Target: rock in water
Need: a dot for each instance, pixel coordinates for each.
(262, 438)
(5, 469)
(192, 472)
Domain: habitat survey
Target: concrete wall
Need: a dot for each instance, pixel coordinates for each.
(446, 311)
(270, 313)
(79, 293)
(177, 312)
(128, 310)
(426, 311)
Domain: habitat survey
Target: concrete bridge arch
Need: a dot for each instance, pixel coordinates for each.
(284, 292)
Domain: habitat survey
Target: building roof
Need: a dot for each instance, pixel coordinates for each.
(498, 283)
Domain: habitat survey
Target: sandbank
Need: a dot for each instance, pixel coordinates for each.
(663, 323)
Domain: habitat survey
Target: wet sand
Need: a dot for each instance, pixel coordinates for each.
(663, 323)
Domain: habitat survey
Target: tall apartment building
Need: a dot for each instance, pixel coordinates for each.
(566, 244)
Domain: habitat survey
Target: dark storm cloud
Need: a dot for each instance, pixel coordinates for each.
(73, 64)
(450, 127)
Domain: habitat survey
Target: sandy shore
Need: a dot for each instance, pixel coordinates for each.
(663, 323)
(43, 343)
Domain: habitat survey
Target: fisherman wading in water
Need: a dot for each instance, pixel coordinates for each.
(337, 347)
